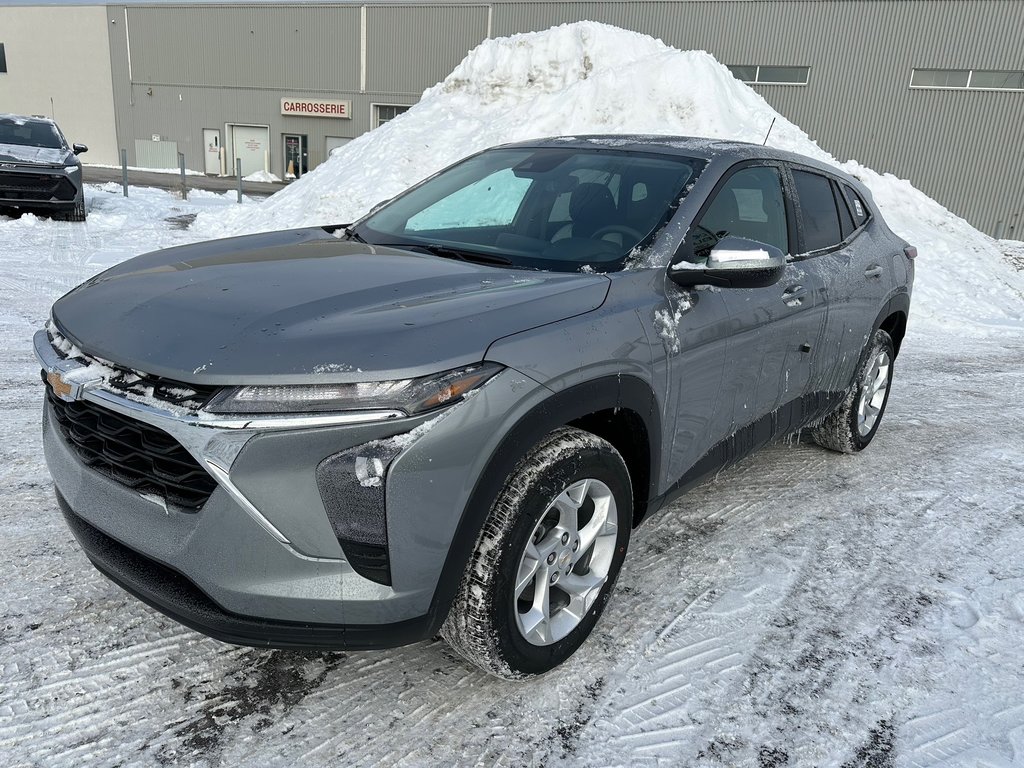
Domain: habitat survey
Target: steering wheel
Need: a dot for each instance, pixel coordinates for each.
(619, 228)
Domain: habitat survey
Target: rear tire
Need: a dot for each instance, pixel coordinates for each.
(546, 559)
(850, 427)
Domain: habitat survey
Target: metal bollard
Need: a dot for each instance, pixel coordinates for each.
(181, 165)
(124, 171)
(238, 173)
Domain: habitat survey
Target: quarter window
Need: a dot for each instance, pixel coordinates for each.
(750, 205)
(3, 59)
(818, 212)
(858, 207)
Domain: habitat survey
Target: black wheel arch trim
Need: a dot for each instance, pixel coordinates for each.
(897, 302)
(624, 392)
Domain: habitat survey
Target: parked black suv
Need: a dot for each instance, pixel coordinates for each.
(39, 170)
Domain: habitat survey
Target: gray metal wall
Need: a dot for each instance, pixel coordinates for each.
(202, 66)
(208, 65)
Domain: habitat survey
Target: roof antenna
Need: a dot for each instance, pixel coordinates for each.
(51, 109)
(763, 143)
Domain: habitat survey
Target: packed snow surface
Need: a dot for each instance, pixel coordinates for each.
(804, 608)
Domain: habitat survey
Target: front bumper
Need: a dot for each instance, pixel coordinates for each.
(176, 596)
(40, 187)
(259, 563)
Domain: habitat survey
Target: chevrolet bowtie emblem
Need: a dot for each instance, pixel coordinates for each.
(61, 388)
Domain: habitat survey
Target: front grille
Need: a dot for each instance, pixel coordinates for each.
(35, 186)
(132, 452)
(188, 396)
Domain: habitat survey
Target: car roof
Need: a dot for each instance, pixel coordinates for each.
(9, 117)
(710, 149)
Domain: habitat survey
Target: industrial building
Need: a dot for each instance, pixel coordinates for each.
(931, 90)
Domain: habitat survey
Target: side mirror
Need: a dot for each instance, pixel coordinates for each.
(734, 262)
(79, 148)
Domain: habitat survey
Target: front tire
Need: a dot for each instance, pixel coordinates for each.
(546, 559)
(77, 212)
(850, 427)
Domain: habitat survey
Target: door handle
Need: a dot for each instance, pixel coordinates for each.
(873, 271)
(793, 296)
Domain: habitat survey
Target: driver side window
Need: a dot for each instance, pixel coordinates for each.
(750, 205)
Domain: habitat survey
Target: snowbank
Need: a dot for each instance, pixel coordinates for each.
(593, 78)
(261, 176)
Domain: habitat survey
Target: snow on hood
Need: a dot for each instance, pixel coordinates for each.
(19, 153)
(587, 78)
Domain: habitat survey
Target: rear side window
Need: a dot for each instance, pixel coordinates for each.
(858, 207)
(817, 211)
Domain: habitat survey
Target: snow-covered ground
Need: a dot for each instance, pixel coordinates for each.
(804, 608)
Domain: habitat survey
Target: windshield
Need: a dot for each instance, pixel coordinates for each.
(30, 133)
(553, 208)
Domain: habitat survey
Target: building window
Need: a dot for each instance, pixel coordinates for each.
(968, 79)
(764, 75)
(383, 113)
(3, 59)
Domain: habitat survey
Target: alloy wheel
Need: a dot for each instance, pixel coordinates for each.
(872, 393)
(566, 562)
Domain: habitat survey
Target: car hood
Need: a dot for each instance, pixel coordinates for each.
(288, 307)
(18, 153)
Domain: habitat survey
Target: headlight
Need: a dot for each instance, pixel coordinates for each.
(411, 396)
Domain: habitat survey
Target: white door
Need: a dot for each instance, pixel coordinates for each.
(211, 140)
(250, 143)
(333, 142)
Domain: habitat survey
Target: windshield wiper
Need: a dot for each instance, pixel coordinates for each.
(446, 252)
(351, 235)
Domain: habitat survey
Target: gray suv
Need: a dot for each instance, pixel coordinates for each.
(448, 417)
(39, 170)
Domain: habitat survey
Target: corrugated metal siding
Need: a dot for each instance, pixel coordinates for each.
(409, 48)
(304, 48)
(217, 64)
(964, 148)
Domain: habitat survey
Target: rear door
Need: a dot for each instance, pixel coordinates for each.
(835, 249)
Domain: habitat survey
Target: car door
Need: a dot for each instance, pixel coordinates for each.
(833, 249)
(770, 330)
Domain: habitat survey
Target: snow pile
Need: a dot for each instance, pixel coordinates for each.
(262, 176)
(586, 78)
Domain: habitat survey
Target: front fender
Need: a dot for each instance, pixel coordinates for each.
(619, 392)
